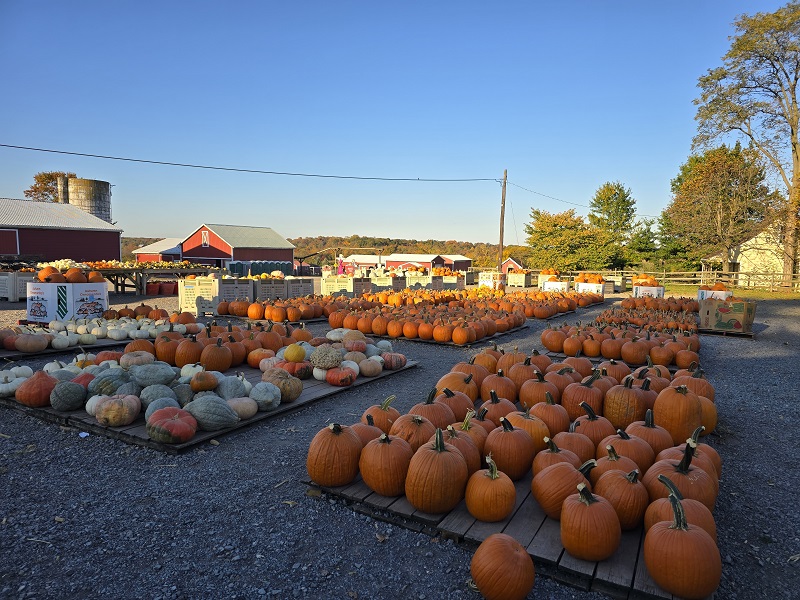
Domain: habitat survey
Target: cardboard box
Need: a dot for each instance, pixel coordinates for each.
(736, 316)
(63, 301)
(640, 291)
(716, 294)
(556, 286)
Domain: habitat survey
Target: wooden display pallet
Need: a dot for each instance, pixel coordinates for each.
(102, 344)
(136, 432)
(483, 340)
(740, 334)
(624, 575)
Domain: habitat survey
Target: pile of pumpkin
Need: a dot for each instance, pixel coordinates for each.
(642, 279)
(643, 319)
(180, 384)
(589, 278)
(670, 304)
(51, 274)
(632, 346)
(143, 322)
(609, 449)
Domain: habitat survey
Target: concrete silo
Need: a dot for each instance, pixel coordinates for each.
(90, 195)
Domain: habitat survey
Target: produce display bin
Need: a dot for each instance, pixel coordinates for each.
(491, 279)
(8, 286)
(640, 291)
(267, 289)
(430, 282)
(346, 286)
(192, 291)
(469, 278)
(607, 287)
(556, 286)
(519, 279)
(704, 294)
(299, 286)
(454, 282)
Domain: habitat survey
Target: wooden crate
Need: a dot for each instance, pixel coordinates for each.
(8, 286)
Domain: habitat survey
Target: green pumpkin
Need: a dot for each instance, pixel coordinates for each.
(154, 392)
(266, 395)
(212, 413)
(230, 387)
(67, 396)
(153, 374)
(157, 404)
(107, 382)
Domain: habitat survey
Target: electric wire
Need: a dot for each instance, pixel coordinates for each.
(259, 171)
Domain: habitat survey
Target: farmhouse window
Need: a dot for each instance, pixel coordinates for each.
(204, 238)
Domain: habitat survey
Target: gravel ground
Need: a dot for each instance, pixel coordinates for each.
(93, 517)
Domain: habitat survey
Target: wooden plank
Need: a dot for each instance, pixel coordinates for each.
(614, 576)
(545, 547)
(102, 344)
(382, 502)
(644, 587)
(575, 572)
(526, 522)
(356, 491)
(457, 522)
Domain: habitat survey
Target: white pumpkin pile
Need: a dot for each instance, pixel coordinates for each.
(85, 332)
(12, 378)
(63, 264)
(156, 384)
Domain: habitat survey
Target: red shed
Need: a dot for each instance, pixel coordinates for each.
(457, 262)
(167, 250)
(218, 245)
(510, 264)
(51, 230)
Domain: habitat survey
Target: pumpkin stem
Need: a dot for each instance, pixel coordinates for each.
(551, 446)
(384, 439)
(335, 428)
(507, 426)
(696, 433)
(688, 453)
(673, 489)
(448, 392)
(385, 404)
(494, 397)
(594, 377)
(370, 420)
(467, 425)
(680, 517)
(438, 441)
(586, 467)
(549, 397)
(589, 411)
(612, 453)
(623, 435)
(648, 419)
(586, 496)
(633, 476)
(481, 416)
(491, 471)
(431, 396)
(540, 377)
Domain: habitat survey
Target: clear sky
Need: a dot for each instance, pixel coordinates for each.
(565, 95)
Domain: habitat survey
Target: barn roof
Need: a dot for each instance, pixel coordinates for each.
(423, 258)
(241, 236)
(455, 257)
(49, 215)
(165, 246)
(363, 258)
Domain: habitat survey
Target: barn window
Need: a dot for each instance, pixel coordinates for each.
(204, 238)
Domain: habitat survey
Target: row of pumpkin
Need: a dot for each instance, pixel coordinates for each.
(597, 475)
(115, 387)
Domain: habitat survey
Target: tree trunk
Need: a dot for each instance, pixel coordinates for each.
(790, 234)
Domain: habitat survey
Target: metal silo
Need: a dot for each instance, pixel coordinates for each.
(91, 195)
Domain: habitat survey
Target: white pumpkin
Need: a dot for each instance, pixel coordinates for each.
(70, 326)
(56, 326)
(54, 365)
(87, 339)
(59, 342)
(81, 329)
(23, 371)
(8, 386)
(117, 333)
(190, 369)
(91, 404)
(320, 374)
(352, 364)
(247, 385)
(73, 338)
(99, 331)
(87, 356)
(138, 334)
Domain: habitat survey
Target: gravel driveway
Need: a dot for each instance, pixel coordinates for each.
(86, 517)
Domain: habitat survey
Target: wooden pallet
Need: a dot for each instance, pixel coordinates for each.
(136, 432)
(101, 344)
(624, 575)
(483, 340)
(739, 334)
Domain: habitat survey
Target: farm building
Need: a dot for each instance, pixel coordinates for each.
(457, 262)
(403, 261)
(218, 245)
(510, 264)
(53, 230)
(756, 261)
(364, 260)
(168, 250)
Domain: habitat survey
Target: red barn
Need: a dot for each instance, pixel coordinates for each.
(510, 264)
(218, 245)
(51, 231)
(168, 249)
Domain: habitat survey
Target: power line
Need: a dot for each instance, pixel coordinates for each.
(565, 201)
(259, 171)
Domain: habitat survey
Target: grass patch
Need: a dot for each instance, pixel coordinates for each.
(690, 291)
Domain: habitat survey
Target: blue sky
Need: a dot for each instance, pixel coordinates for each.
(565, 95)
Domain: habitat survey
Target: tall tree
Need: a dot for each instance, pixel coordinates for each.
(566, 242)
(613, 209)
(44, 188)
(641, 246)
(754, 95)
(719, 200)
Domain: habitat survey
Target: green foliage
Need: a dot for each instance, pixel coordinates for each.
(642, 246)
(45, 188)
(565, 241)
(753, 96)
(613, 209)
(719, 200)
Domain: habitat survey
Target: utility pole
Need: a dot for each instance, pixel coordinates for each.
(502, 220)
